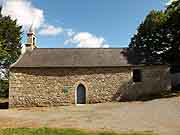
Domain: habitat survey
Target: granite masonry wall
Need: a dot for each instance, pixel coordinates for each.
(175, 77)
(57, 86)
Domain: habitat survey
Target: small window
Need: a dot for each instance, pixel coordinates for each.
(137, 75)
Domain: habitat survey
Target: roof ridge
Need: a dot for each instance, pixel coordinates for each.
(84, 48)
(60, 57)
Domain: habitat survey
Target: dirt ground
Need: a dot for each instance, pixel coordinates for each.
(160, 115)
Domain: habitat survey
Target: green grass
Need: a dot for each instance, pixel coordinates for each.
(49, 131)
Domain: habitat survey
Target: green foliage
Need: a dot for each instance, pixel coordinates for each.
(146, 44)
(10, 46)
(173, 27)
(9, 41)
(4, 88)
(48, 131)
(157, 38)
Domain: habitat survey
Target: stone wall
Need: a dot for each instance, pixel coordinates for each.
(175, 77)
(57, 86)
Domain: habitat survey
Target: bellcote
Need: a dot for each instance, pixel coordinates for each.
(31, 39)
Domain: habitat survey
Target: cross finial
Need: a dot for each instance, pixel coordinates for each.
(31, 28)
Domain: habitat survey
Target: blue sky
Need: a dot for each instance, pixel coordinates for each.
(81, 23)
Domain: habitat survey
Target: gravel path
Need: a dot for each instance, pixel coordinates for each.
(161, 116)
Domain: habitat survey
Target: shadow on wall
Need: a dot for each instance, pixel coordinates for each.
(175, 77)
(142, 91)
(155, 87)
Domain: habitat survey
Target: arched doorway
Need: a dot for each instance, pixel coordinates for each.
(81, 94)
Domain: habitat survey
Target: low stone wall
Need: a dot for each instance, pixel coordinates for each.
(57, 86)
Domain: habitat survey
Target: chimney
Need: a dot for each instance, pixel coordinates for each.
(31, 39)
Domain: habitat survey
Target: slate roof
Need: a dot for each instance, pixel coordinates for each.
(73, 57)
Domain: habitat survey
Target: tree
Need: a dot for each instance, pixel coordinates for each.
(10, 44)
(146, 46)
(173, 27)
(10, 41)
(157, 38)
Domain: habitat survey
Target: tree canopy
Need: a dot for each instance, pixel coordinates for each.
(157, 38)
(10, 49)
(10, 41)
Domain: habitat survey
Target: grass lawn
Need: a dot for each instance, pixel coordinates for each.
(48, 131)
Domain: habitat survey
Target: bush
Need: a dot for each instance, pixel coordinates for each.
(4, 88)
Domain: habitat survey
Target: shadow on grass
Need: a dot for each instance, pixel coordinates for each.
(160, 96)
(4, 105)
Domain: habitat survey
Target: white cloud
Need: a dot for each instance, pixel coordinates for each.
(70, 32)
(50, 30)
(87, 40)
(25, 13)
(106, 46)
(170, 1)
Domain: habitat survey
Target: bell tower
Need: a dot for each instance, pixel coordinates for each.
(31, 38)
